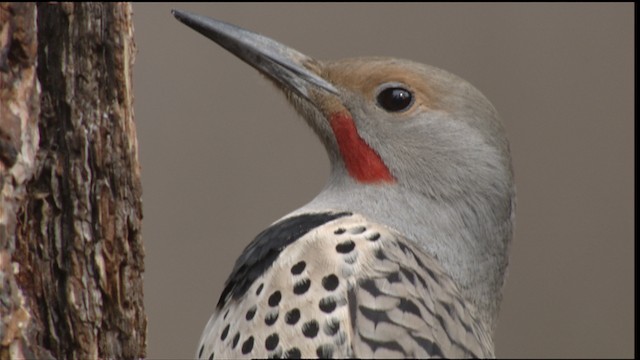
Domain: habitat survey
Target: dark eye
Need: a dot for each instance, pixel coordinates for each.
(395, 99)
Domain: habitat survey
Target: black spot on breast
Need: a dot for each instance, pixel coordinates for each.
(235, 340)
(373, 237)
(225, 315)
(293, 353)
(259, 289)
(324, 351)
(271, 318)
(331, 327)
(345, 247)
(298, 268)
(339, 231)
(212, 356)
(271, 341)
(301, 287)
(201, 350)
(310, 329)
(327, 304)
(292, 316)
(225, 332)
(251, 313)
(275, 298)
(260, 254)
(247, 346)
(330, 282)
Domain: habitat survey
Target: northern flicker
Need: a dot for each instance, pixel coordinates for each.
(404, 251)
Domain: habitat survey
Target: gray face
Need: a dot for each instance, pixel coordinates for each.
(437, 170)
(447, 143)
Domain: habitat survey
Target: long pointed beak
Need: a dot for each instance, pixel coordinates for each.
(281, 63)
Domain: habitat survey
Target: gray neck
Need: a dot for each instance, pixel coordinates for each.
(469, 241)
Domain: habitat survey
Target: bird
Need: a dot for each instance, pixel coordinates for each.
(404, 251)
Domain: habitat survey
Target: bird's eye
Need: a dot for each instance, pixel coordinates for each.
(395, 99)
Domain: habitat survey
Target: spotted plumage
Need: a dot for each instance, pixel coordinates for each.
(404, 251)
(351, 287)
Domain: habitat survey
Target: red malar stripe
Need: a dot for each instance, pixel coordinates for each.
(362, 162)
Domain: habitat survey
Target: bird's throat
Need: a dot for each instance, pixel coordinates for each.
(361, 161)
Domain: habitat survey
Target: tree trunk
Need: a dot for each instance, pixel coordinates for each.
(71, 254)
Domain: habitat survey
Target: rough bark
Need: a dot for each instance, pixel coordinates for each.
(71, 255)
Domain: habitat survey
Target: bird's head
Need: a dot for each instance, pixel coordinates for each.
(410, 145)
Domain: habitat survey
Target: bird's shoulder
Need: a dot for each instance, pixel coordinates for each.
(336, 284)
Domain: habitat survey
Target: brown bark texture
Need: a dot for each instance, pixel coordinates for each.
(71, 254)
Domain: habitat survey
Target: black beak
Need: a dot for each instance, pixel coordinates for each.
(281, 63)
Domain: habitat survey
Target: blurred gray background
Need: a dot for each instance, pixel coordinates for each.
(223, 155)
